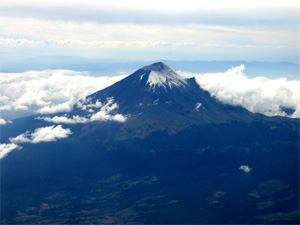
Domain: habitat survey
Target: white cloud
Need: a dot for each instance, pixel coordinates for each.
(65, 119)
(245, 168)
(6, 148)
(258, 95)
(103, 116)
(127, 10)
(9, 42)
(2, 121)
(49, 91)
(103, 28)
(205, 32)
(22, 138)
(87, 103)
(105, 113)
(155, 4)
(63, 107)
(119, 117)
(43, 134)
(54, 91)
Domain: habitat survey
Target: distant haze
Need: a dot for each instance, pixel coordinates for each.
(183, 30)
(114, 67)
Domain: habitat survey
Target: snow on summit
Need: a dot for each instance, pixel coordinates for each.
(162, 75)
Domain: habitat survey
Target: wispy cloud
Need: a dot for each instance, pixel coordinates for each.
(161, 12)
(127, 44)
(164, 29)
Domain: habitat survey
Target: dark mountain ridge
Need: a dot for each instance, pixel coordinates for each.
(165, 152)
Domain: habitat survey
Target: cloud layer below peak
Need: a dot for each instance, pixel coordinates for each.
(259, 95)
(54, 91)
(49, 91)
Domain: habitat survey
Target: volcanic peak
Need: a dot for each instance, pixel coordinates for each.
(159, 74)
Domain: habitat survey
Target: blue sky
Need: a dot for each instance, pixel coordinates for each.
(149, 30)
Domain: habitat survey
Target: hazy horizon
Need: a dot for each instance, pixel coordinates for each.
(144, 31)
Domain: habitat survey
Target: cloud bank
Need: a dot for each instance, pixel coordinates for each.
(50, 91)
(142, 30)
(258, 95)
(54, 91)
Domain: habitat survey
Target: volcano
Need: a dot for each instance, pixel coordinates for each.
(156, 98)
(153, 148)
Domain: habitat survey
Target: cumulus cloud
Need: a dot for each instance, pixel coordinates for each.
(245, 168)
(43, 134)
(102, 116)
(258, 95)
(6, 148)
(49, 91)
(105, 112)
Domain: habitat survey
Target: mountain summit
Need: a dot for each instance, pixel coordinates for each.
(159, 74)
(156, 98)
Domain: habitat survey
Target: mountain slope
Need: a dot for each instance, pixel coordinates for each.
(156, 98)
(153, 148)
